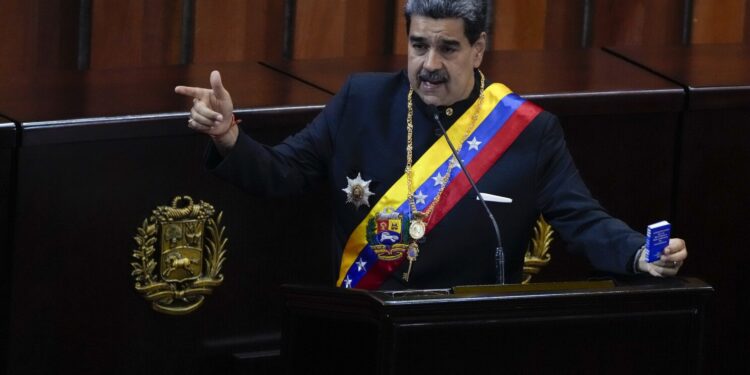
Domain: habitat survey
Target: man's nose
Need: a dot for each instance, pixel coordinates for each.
(433, 61)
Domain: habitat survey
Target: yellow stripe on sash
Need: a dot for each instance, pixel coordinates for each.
(435, 156)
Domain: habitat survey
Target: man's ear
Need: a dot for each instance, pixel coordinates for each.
(479, 47)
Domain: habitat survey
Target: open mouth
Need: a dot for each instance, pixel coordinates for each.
(431, 80)
(431, 85)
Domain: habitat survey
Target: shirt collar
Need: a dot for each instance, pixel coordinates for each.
(450, 113)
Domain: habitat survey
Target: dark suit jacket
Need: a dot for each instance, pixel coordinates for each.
(363, 130)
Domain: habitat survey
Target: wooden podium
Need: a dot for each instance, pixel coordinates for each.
(643, 326)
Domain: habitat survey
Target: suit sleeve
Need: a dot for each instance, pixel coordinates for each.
(291, 167)
(566, 203)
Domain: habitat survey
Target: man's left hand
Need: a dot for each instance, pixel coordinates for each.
(672, 258)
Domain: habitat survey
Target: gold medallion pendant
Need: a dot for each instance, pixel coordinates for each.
(181, 282)
(417, 229)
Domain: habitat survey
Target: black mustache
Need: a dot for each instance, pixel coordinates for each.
(435, 76)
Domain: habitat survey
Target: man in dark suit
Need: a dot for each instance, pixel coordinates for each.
(404, 216)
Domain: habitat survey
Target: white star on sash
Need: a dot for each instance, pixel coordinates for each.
(438, 179)
(474, 144)
(420, 197)
(454, 163)
(347, 282)
(361, 265)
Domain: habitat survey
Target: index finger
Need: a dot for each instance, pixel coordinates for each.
(675, 245)
(675, 257)
(193, 92)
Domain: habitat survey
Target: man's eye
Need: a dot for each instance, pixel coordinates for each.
(448, 49)
(419, 46)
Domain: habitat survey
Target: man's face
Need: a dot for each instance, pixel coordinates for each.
(441, 60)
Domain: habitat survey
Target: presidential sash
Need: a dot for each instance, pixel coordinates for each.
(376, 247)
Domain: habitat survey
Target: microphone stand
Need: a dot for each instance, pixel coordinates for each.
(499, 253)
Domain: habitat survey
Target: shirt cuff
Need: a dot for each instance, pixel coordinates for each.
(638, 257)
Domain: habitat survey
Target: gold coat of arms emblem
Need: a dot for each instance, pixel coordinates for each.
(191, 251)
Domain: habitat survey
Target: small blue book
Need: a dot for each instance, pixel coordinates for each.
(657, 238)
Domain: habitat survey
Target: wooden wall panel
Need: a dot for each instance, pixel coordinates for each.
(719, 21)
(238, 30)
(132, 33)
(366, 28)
(518, 24)
(399, 28)
(319, 29)
(637, 22)
(135, 33)
(161, 32)
(38, 34)
(564, 24)
(57, 45)
(338, 28)
(18, 34)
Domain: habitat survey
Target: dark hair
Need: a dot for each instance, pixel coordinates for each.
(473, 12)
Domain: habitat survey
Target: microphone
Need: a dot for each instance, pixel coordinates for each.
(499, 253)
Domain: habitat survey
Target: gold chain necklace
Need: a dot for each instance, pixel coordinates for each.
(419, 220)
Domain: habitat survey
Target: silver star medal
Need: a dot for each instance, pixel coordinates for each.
(358, 191)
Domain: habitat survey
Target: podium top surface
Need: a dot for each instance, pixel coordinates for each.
(7, 133)
(498, 293)
(551, 290)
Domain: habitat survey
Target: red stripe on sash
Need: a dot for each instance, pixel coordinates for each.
(481, 163)
(378, 273)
